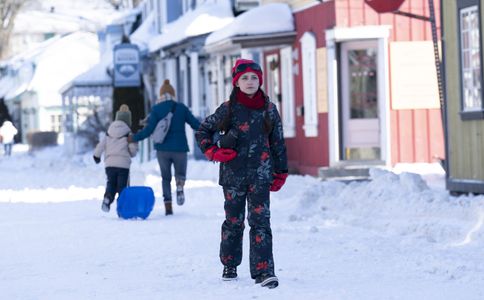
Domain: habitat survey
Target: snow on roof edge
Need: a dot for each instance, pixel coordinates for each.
(272, 17)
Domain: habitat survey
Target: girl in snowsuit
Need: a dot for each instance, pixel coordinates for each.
(117, 155)
(253, 160)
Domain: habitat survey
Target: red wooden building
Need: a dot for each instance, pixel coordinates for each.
(364, 88)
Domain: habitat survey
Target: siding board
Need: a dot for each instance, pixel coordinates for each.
(406, 136)
(421, 133)
(356, 12)
(395, 129)
(436, 134)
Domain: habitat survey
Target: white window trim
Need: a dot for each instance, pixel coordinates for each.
(183, 72)
(195, 89)
(308, 50)
(163, 11)
(287, 91)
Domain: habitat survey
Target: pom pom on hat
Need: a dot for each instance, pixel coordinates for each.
(124, 114)
(243, 66)
(166, 88)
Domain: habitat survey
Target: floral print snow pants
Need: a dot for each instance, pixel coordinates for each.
(261, 259)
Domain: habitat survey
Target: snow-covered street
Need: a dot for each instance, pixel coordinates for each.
(390, 238)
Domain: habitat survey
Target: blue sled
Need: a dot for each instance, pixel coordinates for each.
(135, 202)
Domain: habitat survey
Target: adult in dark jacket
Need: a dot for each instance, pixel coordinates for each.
(253, 160)
(173, 150)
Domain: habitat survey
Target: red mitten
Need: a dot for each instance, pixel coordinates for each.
(220, 154)
(278, 182)
(209, 152)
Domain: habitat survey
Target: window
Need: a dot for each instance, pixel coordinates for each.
(55, 122)
(470, 59)
(174, 9)
(308, 50)
(272, 79)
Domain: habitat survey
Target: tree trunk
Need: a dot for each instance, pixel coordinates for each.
(8, 11)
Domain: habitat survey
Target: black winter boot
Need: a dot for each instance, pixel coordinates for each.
(269, 281)
(168, 209)
(230, 273)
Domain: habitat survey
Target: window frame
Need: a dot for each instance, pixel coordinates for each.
(308, 57)
(287, 91)
(477, 114)
(273, 79)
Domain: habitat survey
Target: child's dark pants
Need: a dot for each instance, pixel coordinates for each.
(117, 181)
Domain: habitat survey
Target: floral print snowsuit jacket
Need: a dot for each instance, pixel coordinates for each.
(259, 154)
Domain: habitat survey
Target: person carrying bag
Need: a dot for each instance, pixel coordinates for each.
(174, 147)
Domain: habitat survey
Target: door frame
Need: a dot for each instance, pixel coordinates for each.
(345, 103)
(333, 37)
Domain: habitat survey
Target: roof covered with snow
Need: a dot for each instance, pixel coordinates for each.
(206, 18)
(61, 62)
(63, 16)
(270, 18)
(97, 74)
(145, 32)
(21, 68)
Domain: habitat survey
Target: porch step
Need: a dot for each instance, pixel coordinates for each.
(347, 172)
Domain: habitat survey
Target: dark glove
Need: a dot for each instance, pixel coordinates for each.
(96, 159)
(130, 139)
(278, 181)
(228, 140)
(220, 154)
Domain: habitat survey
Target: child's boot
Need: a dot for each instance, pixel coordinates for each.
(229, 273)
(106, 204)
(180, 196)
(269, 281)
(168, 209)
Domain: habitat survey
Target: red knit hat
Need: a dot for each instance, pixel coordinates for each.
(243, 66)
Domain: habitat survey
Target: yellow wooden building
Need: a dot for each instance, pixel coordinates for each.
(463, 63)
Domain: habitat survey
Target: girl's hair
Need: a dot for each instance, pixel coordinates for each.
(224, 125)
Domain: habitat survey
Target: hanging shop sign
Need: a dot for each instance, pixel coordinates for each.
(126, 65)
(384, 6)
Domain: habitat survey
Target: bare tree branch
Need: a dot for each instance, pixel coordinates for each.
(8, 12)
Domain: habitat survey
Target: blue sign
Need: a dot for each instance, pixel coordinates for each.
(126, 65)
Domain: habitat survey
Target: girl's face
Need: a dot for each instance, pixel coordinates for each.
(248, 83)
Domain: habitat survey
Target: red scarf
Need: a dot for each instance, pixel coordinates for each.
(256, 102)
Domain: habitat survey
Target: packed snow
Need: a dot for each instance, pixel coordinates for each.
(398, 236)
